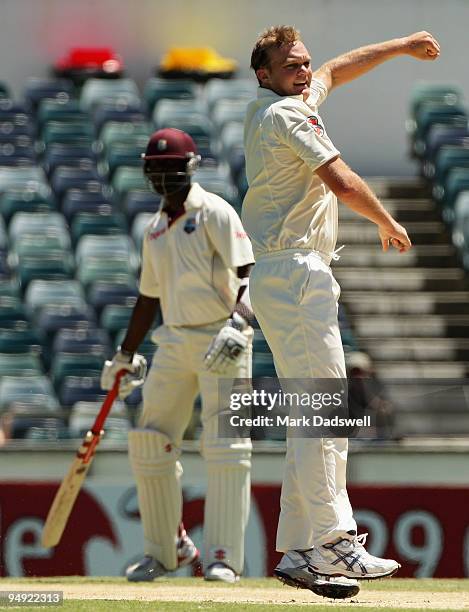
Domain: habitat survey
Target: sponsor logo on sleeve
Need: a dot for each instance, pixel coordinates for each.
(316, 124)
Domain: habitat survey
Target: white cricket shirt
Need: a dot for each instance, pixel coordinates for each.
(287, 206)
(191, 264)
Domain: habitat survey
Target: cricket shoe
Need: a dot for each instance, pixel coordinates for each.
(348, 557)
(221, 573)
(149, 568)
(294, 570)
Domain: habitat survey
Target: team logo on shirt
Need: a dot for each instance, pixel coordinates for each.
(190, 225)
(313, 120)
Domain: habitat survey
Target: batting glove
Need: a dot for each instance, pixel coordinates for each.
(227, 347)
(135, 364)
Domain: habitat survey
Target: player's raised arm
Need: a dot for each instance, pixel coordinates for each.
(355, 63)
(355, 193)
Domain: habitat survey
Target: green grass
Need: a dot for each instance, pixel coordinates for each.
(171, 606)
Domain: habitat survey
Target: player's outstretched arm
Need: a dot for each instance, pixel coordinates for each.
(351, 65)
(355, 193)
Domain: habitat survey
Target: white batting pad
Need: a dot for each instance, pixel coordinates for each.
(227, 503)
(154, 460)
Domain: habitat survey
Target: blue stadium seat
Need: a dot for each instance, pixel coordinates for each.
(36, 390)
(102, 293)
(88, 340)
(36, 89)
(54, 318)
(80, 389)
(137, 202)
(159, 89)
(96, 92)
(68, 177)
(67, 154)
(38, 199)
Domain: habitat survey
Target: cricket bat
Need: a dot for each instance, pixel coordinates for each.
(65, 497)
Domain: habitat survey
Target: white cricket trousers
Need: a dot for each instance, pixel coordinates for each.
(295, 299)
(177, 375)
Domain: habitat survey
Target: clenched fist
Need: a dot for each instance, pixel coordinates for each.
(422, 45)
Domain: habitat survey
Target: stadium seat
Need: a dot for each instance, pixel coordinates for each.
(80, 389)
(67, 177)
(83, 414)
(137, 202)
(51, 319)
(106, 247)
(12, 310)
(9, 288)
(38, 199)
(68, 132)
(139, 224)
(20, 365)
(102, 293)
(3, 236)
(448, 157)
(461, 206)
(115, 317)
(432, 113)
(47, 267)
(36, 89)
(74, 364)
(121, 154)
(159, 89)
(233, 89)
(118, 112)
(24, 223)
(116, 270)
(29, 177)
(36, 390)
(59, 109)
(52, 292)
(98, 91)
(170, 111)
(94, 223)
(21, 418)
(127, 179)
(95, 198)
(423, 93)
(125, 133)
(457, 180)
(40, 245)
(461, 238)
(66, 154)
(21, 339)
(88, 340)
(228, 111)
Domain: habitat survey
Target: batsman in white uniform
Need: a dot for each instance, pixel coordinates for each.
(295, 175)
(195, 264)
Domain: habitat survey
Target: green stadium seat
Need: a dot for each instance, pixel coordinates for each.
(21, 339)
(98, 91)
(433, 92)
(116, 270)
(51, 292)
(431, 113)
(31, 245)
(59, 109)
(127, 179)
(35, 390)
(115, 317)
(83, 414)
(138, 227)
(448, 157)
(121, 154)
(232, 89)
(457, 181)
(35, 200)
(115, 132)
(11, 310)
(20, 365)
(107, 247)
(24, 223)
(10, 288)
(159, 89)
(31, 177)
(48, 267)
(85, 223)
(74, 364)
(72, 132)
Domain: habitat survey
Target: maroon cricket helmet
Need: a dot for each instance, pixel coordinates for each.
(170, 143)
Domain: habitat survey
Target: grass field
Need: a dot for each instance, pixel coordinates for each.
(250, 595)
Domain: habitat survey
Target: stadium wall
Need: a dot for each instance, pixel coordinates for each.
(411, 500)
(365, 119)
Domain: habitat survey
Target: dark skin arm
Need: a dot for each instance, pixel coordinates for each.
(143, 316)
(240, 308)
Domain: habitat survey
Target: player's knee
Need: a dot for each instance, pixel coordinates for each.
(152, 451)
(230, 454)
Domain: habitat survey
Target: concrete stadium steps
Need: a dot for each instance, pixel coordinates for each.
(416, 349)
(402, 326)
(398, 303)
(422, 369)
(400, 279)
(406, 210)
(426, 255)
(362, 231)
(398, 187)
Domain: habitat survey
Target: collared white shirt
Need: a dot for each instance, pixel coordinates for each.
(191, 264)
(287, 205)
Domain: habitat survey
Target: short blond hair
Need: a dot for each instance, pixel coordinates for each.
(273, 37)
